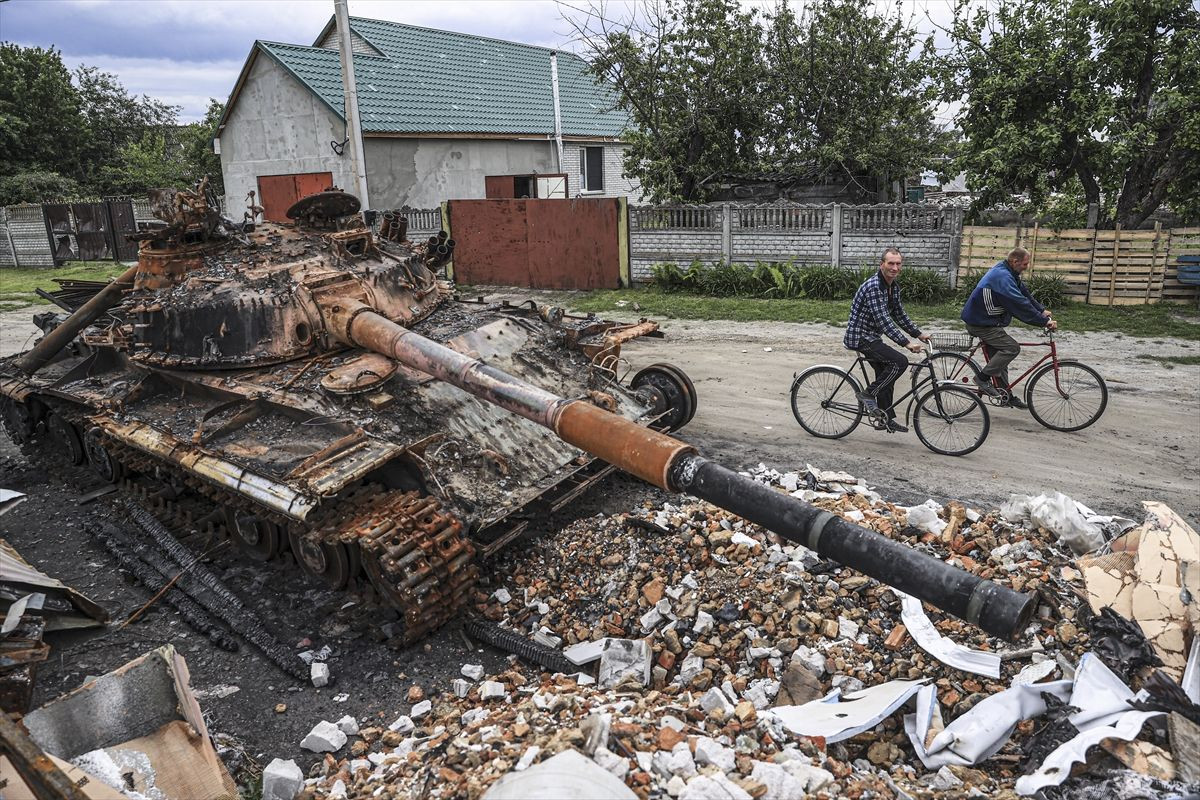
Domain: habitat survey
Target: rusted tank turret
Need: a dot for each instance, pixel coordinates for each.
(322, 385)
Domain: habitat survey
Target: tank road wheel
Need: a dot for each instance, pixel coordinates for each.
(20, 420)
(669, 392)
(66, 439)
(259, 538)
(333, 562)
(101, 458)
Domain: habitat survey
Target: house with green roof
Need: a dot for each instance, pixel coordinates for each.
(444, 116)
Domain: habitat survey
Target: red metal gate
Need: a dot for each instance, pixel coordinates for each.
(541, 244)
(276, 193)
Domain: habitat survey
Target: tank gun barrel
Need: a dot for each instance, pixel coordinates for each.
(53, 342)
(676, 466)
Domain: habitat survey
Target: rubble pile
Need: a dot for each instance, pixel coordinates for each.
(718, 662)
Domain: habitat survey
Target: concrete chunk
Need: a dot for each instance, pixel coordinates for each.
(490, 689)
(713, 787)
(472, 671)
(781, 784)
(324, 738)
(585, 652)
(714, 699)
(402, 725)
(710, 751)
(319, 672)
(281, 780)
(348, 725)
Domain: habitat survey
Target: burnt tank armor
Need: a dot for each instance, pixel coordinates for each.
(319, 383)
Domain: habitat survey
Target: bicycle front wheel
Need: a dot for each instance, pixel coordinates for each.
(953, 367)
(825, 402)
(951, 420)
(1068, 398)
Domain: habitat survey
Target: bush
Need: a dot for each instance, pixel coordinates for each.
(924, 286)
(36, 187)
(968, 282)
(1049, 289)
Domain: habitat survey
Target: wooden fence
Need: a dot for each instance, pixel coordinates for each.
(1101, 267)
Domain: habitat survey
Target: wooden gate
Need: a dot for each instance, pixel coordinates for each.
(541, 244)
(276, 193)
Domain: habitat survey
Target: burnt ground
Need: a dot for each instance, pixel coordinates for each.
(51, 531)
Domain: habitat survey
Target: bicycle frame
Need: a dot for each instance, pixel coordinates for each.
(861, 363)
(1052, 356)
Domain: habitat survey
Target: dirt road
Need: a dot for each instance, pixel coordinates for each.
(1146, 446)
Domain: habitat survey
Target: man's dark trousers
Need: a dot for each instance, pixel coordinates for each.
(1001, 350)
(889, 365)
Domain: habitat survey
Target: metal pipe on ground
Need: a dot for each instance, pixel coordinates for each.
(674, 465)
(997, 609)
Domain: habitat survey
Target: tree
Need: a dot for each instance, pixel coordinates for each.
(40, 121)
(196, 140)
(852, 92)
(118, 126)
(1104, 94)
(712, 88)
(35, 187)
(690, 74)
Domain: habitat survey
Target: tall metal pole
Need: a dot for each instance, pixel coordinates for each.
(358, 164)
(557, 114)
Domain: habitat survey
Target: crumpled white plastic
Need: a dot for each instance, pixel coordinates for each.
(860, 711)
(1056, 768)
(1073, 522)
(1101, 697)
(925, 517)
(982, 731)
(920, 627)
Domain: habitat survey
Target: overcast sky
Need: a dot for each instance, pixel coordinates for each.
(185, 51)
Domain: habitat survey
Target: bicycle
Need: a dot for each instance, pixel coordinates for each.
(1062, 395)
(947, 418)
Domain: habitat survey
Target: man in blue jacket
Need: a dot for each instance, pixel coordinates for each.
(876, 311)
(998, 297)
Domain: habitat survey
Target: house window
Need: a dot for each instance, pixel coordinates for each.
(591, 169)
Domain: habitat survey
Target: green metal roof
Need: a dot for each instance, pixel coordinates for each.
(430, 81)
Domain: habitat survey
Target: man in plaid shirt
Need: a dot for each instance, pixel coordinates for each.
(877, 310)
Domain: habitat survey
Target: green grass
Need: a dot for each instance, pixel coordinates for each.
(1153, 320)
(1170, 361)
(17, 285)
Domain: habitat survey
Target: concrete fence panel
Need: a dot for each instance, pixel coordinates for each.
(847, 236)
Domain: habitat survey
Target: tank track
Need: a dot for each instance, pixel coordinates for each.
(401, 546)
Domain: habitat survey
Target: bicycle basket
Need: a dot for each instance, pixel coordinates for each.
(953, 342)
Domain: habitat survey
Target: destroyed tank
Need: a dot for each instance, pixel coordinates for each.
(330, 396)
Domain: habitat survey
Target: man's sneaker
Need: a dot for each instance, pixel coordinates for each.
(868, 403)
(1016, 402)
(896, 427)
(984, 383)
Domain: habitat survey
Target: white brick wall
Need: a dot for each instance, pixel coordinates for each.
(615, 182)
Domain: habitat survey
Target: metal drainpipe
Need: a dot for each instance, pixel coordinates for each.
(557, 115)
(358, 164)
